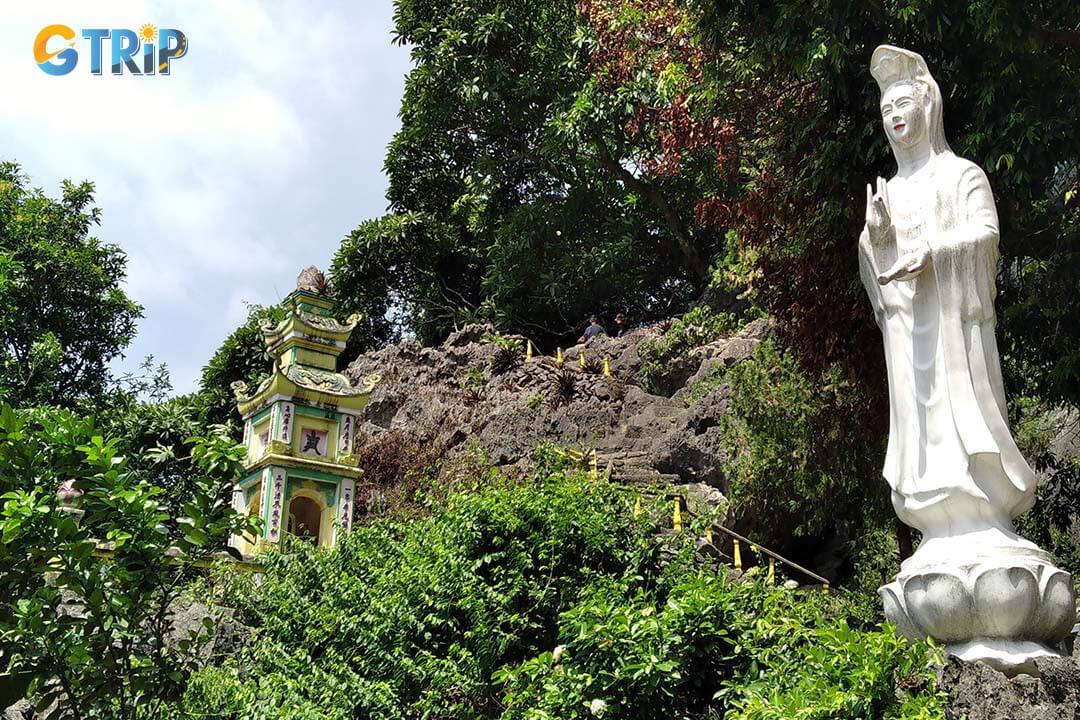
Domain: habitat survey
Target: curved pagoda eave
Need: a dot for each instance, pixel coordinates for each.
(307, 325)
(280, 384)
(303, 462)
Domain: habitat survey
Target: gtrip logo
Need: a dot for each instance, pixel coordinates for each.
(149, 51)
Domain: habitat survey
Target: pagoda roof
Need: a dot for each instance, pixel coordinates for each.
(305, 345)
(305, 384)
(304, 324)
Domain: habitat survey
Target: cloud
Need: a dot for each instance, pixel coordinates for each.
(252, 160)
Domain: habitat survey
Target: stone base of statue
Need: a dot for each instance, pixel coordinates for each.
(1004, 605)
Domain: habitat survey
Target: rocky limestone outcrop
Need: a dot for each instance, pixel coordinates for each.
(978, 692)
(449, 396)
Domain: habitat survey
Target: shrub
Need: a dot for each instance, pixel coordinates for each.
(562, 387)
(705, 647)
(698, 327)
(509, 352)
(543, 599)
(91, 631)
(411, 619)
(793, 441)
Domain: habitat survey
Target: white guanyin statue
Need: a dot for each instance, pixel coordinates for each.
(928, 257)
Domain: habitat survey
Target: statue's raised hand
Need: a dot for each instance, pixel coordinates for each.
(878, 216)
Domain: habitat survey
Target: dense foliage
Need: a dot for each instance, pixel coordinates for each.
(63, 314)
(542, 600)
(242, 356)
(497, 210)
(91, 633)
(153, 436)
(792, 443)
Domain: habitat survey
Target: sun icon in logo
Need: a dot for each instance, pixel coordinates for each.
(148, 33)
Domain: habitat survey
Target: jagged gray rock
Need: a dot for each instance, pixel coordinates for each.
(21, 710)
(978, 692)
(187, 617)
(447, 397)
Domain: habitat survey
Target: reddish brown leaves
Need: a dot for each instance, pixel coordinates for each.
(641, 44)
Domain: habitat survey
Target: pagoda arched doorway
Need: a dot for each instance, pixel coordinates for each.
(305, 518)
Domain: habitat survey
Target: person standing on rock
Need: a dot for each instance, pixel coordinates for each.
(620, 325)
(594, 329)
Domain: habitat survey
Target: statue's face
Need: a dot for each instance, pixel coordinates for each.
(902, 114)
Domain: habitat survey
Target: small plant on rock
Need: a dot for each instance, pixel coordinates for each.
(509, 353)
(474, 378)
(472, 396)
(505, 359)
(563, 388)
(593, 366)
(698, 327)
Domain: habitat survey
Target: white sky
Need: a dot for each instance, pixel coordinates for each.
(260, 152)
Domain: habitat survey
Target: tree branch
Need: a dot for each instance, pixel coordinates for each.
(690, 258)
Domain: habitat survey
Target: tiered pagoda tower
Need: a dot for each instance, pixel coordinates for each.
(299, 425)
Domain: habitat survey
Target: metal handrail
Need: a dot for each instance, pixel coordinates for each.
(773, 554)
(682, 507)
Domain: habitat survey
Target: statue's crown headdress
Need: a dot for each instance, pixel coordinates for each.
(890, 64)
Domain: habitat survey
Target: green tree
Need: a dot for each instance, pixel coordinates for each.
(153, 438)
(93, 631)
(242, 356)
(65, 316)
(1010, 78)
(497, 211)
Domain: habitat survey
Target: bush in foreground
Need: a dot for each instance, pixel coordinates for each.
(544, 599)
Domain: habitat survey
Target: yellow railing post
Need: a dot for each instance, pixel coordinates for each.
(581, 360)
(594, 469)
(825, 588)
(528, 350)
(558, 357)
(738, 555)
(676, 518)
(637, 508)
(772, 571)
(708, 535)
(607, 368)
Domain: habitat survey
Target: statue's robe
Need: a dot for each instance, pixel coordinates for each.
(949, 439)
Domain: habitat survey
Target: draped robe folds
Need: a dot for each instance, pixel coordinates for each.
(949, 440)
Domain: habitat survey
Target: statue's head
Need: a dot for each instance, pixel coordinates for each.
(903, 113)
(911, 106)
